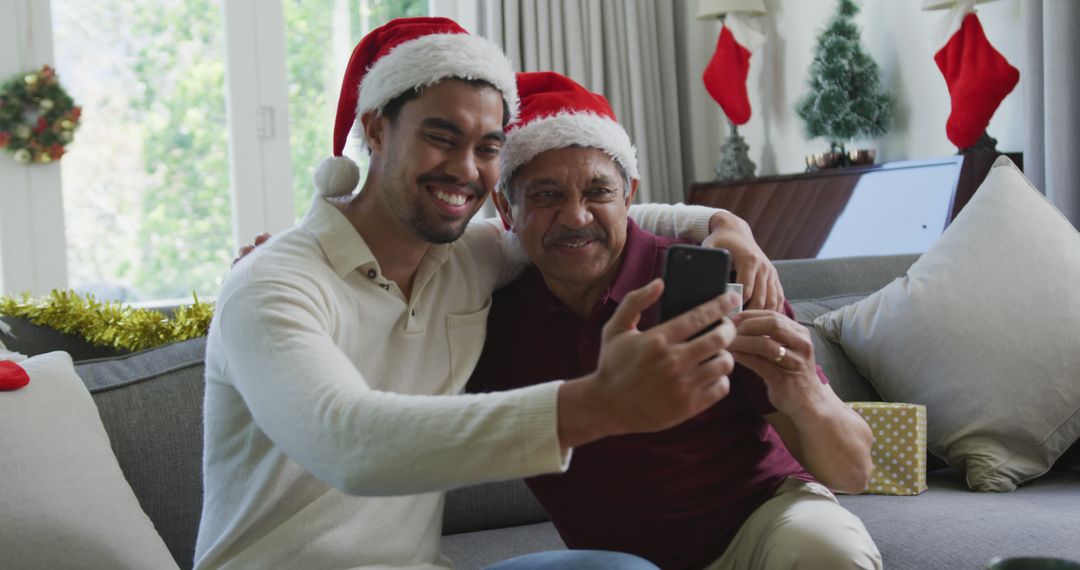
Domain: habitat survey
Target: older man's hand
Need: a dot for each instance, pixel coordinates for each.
(758, 276)
(244, 250)
(781, 352)
(825, 435)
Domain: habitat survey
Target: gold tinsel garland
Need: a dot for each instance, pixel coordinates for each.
(111, 323)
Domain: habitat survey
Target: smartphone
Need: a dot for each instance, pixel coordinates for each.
(692, 275)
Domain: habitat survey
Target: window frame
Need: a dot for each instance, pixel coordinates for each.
(257, 111)
(33, 247)
(33, 244)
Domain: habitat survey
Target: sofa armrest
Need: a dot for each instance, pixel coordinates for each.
(818, 278)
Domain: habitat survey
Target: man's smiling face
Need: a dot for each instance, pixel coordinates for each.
(569, 208)
(441, 157)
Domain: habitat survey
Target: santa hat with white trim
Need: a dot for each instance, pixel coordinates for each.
(557, 112)
(405, 54)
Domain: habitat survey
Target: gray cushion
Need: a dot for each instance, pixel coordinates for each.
(816, 278)
(950, 527)
(844, 378)
(475, 550)
(151, 405)
(491, 505)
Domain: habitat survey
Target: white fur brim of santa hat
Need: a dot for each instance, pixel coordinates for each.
(563, 130)
(429, 59)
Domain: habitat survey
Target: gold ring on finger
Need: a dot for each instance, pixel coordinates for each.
(780, 354)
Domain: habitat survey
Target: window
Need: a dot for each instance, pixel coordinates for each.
(319, 37)
(146, 185)
(148, 194)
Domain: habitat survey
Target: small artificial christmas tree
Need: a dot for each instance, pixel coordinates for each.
(846, 98)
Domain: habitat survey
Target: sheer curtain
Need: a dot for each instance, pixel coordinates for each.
(624, 49)
(1052, 106)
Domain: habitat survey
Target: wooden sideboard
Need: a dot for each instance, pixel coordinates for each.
(895, 207)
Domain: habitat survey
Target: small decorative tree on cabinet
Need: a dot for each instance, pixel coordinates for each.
(846, 98)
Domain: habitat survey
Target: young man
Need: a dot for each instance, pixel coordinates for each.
(735, 486)
(336, 358)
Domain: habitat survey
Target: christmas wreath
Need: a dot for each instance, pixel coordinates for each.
(37, 117)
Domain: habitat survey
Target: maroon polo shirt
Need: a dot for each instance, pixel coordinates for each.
(676, 497)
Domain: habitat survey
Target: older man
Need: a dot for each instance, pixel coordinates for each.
(736, 486)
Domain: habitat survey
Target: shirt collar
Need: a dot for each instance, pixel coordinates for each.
(638, 263)
(344, 248)
(535, 291)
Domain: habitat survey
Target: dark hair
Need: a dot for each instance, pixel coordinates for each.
(392, 109)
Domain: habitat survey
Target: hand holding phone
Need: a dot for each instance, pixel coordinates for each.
(692, 276)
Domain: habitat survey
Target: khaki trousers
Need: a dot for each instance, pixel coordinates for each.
(801, 527)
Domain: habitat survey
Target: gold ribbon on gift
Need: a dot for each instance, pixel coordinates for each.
(899, 451)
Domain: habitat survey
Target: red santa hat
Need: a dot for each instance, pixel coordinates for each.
(404, 54)
(557, 112)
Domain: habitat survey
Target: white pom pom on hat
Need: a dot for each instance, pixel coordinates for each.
(404, 54)
(337, 176)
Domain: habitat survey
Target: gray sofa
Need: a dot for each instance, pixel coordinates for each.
(151, 401)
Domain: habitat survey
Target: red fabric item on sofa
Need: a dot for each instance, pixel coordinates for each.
(12, 376)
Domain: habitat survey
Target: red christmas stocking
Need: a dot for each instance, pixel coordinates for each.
(725, 76)
(12, 376)
(979, 78)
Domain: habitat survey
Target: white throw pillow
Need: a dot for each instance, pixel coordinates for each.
(984, 330)
(64, 503)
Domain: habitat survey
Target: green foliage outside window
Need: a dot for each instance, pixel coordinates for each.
(160, 223)
(315, 74)
(186, 224)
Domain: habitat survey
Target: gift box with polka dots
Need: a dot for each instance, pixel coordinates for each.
(899, 451)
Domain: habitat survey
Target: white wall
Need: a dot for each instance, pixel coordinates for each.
(900, 38)
(32, 242)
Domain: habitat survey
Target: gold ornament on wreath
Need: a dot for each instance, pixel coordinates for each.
(37, 117)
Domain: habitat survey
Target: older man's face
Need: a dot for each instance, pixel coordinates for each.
(569, 207)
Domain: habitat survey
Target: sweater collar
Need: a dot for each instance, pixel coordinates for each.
(345, 249)
(638, 263)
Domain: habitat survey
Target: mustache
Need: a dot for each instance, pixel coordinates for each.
(580, 234)
(475, 187)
